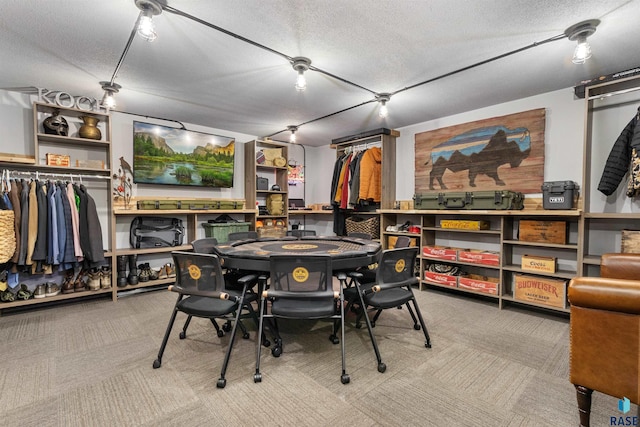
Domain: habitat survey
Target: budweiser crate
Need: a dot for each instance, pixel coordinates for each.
(441, 279)
(545, 291)
(58, 160)
(484, 284)
(477, 256)
(533, 263)
(462, 224)
(630, 242)
(440, 252)
(543, 231)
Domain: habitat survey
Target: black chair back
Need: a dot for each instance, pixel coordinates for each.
(205, 245)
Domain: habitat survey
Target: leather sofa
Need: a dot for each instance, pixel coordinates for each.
(605, 332)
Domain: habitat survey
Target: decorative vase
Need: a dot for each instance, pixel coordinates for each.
(89, 129)
(55, 124)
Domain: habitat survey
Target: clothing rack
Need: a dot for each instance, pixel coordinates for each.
(349, 147)
(38, 174)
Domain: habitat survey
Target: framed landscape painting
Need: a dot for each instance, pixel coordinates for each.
(172, 156)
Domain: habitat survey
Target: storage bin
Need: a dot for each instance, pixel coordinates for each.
(222, 230)
(558, 194)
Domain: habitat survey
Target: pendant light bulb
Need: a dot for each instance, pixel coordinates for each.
(293, 130)
(383, 98)
(301, 64)
(301, 81)
(579, 33)
(146, 28)
(582, 52)
(108, 100)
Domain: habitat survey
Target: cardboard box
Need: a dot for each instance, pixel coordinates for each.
(406, 205)
(58, 160)
(545, 291)
(535, 263)
(461, 224)
(630, 242)
(477, 256)
(441, 279)
(484, 284)
(90, 164)
(440, 252)
(543, 231)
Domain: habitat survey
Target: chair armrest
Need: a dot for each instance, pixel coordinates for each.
(208, 294)
(248, 280)
(603, 293)
(620, 266)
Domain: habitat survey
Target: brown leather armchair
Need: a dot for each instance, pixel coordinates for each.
(605, 332)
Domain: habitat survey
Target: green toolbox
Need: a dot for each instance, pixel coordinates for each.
(190, 204)
(481, 200)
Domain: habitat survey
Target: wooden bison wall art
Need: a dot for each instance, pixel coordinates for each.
(501, 153)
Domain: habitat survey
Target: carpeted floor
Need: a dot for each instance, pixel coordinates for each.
(90, 364)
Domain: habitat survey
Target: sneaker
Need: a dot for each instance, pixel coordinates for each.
(41, 291)
(153, 274)
(105, 277)
(7, 296)
(93, 283)
(24, 293)
(51, 289)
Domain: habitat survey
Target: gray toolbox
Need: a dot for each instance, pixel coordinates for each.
(483, 200)
(190, 204)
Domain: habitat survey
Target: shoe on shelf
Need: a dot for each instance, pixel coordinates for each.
(143, 272)
(105, 277)
(93, 284)
(7, 296)
(67, 283)
(24, 293)
(171, 271)
(40, 292)
(392, 228)
(153, 274)
(51, 289)
(80, 284)
(162, 273)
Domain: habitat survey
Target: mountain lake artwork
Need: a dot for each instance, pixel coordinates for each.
(166, 155)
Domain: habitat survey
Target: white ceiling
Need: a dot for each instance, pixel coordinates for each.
(195, 74)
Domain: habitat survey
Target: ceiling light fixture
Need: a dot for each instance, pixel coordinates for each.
(108, 100)
(383, 98)
(301, 64)
(146, 27)
(579, 33)
(293, 129)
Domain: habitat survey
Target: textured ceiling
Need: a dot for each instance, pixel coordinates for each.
(195, 74)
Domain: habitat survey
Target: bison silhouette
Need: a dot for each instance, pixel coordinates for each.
(471, 151)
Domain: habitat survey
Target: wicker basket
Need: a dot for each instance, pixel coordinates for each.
(7, 235)
(371, 226)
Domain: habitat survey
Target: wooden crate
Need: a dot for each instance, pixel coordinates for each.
(543, 231)
(477, 256)
(630, 242)
(461, 224)
(58, 160)
(441, 279)
(475, 282)
(440, 252)
(540, 290)
(393, 239)
(533, 263)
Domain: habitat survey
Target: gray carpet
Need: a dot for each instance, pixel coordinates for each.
(89, 363)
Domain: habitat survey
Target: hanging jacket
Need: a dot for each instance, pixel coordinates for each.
(620, 158)
(371, 175)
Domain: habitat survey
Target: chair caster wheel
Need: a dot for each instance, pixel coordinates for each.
(157, 363)
(416, 327)
(266, 343)
(334, 339)
(382, 367)
(220, 333)
(226, 327)
(276, 351)
(245, 336)
(427, 345)
(358, 325)
(221, 383)
(345, 379)
(257, 378)
(182, 335)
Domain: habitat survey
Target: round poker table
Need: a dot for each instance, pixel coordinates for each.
(347, 253)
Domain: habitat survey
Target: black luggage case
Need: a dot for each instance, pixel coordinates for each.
(482, 200)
